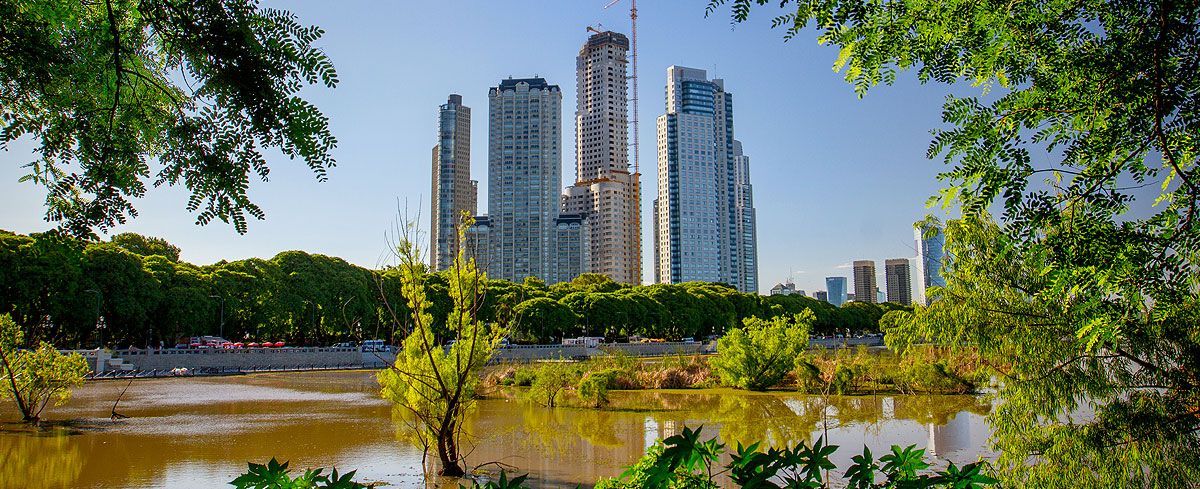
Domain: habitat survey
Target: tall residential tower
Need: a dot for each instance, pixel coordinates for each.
(453, 190)
(605, 192)
(524, 177)
(704, 214)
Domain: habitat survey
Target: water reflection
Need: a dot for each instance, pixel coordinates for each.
(200, 432)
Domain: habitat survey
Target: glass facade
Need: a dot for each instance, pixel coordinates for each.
(836, 287)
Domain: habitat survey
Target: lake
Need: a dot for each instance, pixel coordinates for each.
(200, 432)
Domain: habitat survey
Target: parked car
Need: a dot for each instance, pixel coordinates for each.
(374, 345)
(345, 345)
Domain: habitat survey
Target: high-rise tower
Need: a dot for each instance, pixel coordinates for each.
(745, 232)
(453, 190)
(865, 289)
(605, 191)
(898, 280)
(524, 177)
(931, 243)
(837, 290)
(704, 214)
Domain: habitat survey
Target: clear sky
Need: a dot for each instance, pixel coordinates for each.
(835, 178)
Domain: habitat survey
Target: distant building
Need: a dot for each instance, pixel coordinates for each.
(849, 297)
(787, 288)
(454, 193)
(704, 215)
(837, 290)
(879, 297)
(821, 295)
(931, 243)
(897, 280)
(864, 281)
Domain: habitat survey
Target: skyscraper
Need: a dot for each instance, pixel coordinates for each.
(821, 295)
(931, 244)
(524, 177)
(605, 192)
(745, 235)
(836, 286)
(704, 214)
(864, 281)
(453, 190)
(897, 279)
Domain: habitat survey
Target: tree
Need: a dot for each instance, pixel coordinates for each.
(759, 354)
(543, 319)
(435, 385)
(1082, 290)
(195, 88)
(35, 378)
(146, 245)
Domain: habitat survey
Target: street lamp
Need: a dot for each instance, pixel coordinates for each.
(316, 327)
(222, 327)
(99, 325)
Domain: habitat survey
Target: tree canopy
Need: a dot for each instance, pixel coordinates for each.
(119, 94)
(1076, 261)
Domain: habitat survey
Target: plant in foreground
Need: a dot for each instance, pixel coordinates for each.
(274, 475)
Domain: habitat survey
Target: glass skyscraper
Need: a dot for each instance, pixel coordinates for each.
(453, 190)
(704, 215)
(931, 243)
(836, 286)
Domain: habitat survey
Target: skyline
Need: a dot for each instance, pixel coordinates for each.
(823, 198)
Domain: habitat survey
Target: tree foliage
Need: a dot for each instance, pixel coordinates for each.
(1086, 281)
(119, 94)
(58, 287)
(435, 385)
(759, 354)
(35, 378)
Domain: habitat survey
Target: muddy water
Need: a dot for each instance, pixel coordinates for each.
(199, 432)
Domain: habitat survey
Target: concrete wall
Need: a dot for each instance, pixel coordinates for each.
(248, 358)
(658, 349)
(527, 353)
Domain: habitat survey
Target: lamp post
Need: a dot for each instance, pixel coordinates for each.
(347, 321)
(99, 326)
(316, 327)
(221, 332)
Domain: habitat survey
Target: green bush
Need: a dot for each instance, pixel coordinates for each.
(593, 387)
(761, 353)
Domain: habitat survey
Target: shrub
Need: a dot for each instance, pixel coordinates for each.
(551, 379)
(761, 353)
(593, 387)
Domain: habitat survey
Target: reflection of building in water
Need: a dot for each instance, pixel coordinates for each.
(651, 429)
(889, 408)
(948, 438)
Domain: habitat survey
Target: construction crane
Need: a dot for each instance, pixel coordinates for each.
(633, 50)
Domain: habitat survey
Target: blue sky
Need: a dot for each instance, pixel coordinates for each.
(835, 178)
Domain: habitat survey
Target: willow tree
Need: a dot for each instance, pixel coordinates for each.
(1082, 290)
(434, 385)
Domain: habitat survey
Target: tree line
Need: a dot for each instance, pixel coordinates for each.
(59, 287)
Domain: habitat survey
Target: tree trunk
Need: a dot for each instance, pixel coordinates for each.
(448, 452)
